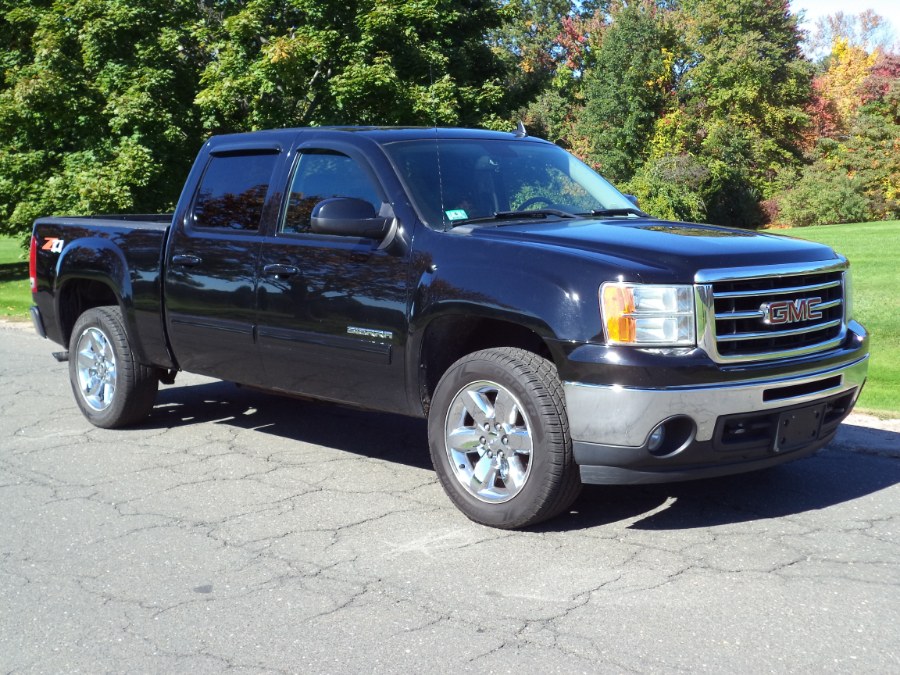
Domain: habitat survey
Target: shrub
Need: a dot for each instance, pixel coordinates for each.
(824, 196)
(671, 187)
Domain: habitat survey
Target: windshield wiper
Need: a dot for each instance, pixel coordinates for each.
(629, 210)
(533, 213)
(515, 215)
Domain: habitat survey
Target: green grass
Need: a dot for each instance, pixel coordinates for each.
(15, 295)
(872, 248)
(874, 253)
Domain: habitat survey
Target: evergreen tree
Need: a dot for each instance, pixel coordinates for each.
(627, 87)
(744, 85)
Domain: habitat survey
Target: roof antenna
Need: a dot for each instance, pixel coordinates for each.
(520, 130)
(437, 145)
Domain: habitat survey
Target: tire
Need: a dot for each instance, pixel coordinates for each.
(519, 470)
(111, 388)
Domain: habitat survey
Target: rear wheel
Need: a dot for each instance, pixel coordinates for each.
(111, 387)
(499, 438)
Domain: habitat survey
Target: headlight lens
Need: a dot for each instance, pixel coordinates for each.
(646, 314)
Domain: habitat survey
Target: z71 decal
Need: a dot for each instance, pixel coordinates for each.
(53, 244)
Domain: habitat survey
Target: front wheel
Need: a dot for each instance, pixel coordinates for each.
(111, 387)
(499, 438)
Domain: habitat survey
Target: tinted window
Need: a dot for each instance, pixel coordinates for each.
(452, 181)
(318, 176)
(233, 191)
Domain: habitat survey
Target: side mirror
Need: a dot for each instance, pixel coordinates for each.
(633, 199)
(349, 217)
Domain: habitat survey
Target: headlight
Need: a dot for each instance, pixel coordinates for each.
(645, 314)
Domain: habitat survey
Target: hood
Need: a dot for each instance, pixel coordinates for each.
(680, 249)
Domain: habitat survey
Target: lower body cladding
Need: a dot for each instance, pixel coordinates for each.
(626, 435)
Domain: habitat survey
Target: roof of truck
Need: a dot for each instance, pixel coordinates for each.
(375, 133)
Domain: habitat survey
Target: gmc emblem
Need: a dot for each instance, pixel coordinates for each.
(790, 311)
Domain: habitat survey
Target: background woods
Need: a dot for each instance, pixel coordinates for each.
(706, 109)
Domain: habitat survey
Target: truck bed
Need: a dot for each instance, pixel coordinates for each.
(126, 249)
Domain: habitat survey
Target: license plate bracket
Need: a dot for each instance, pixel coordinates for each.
(798, 427)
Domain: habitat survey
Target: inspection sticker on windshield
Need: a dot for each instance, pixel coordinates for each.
(456, 214)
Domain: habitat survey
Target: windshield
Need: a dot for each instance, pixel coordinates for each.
(454, 181)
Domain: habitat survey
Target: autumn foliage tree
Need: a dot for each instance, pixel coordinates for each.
(854, 163)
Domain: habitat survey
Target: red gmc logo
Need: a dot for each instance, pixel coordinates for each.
(791, 311)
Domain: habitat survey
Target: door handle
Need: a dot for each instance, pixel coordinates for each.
(280, 271)
(187, 260)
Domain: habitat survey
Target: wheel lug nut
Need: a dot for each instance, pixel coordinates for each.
(505, 440)
(482, 440)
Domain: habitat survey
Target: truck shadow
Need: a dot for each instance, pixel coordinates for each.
(394, 438)
(839, 473)
(822, 481)
(834, 476)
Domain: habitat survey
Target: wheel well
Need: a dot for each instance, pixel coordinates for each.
(449, 338)
(76, 297)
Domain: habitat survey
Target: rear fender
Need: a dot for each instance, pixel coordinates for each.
(99, 260)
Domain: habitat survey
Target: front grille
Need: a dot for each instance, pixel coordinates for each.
(776, 316)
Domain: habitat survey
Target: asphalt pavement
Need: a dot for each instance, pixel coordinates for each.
(245, 533)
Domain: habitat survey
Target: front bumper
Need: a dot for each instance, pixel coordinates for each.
(712, 429)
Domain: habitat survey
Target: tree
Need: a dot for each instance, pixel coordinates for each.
(627, 87)
(554, 113)
(836, 92)
(308, 62)
(104, 103)
(865, 30)
(744, 84)
(95, 106)
(854, 175)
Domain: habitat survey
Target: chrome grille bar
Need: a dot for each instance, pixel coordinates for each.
(758, 313)
(777, 291)
(739, 337)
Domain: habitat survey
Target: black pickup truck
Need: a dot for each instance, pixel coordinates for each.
(551, 332)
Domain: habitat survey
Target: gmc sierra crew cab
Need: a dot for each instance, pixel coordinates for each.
(551, 332)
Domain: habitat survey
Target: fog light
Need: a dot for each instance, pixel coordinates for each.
(657, 437)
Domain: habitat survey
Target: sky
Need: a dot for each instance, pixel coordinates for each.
(889, 9)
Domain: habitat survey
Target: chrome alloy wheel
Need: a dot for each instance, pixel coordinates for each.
(488, 440)
(96, 367)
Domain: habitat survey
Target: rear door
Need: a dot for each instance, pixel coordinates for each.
(210, 283)
(332, 309)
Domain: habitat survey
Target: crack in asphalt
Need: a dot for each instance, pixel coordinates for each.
(227, 537)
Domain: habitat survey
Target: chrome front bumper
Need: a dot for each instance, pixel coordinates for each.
(620, 416)
(708, 431)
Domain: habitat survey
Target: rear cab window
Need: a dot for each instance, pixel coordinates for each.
(232, 192)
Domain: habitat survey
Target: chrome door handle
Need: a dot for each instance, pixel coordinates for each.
(186, 259)
(279, 271)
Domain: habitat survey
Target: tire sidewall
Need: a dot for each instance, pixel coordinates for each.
(104, 322)
(522, 507)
